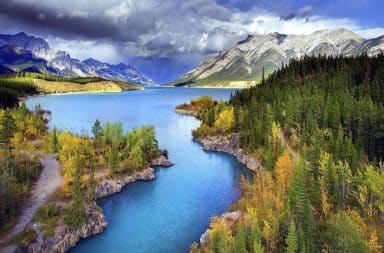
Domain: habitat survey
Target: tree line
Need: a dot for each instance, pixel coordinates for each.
(317, 124)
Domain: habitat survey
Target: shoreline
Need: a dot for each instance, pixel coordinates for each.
(43, 94)
(230, 144)
(65, 238)
(225, 144)
(186, 112)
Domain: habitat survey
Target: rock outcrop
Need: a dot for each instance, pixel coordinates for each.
(229, 219)
(187, 112)
(230, 144)
(66, 237)
(161, 161)
(111, 186)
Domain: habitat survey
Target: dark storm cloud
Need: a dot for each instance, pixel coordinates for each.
(181, 31)
(55, 22)
(289, 16)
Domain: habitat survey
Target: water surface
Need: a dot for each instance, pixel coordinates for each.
(172, 211)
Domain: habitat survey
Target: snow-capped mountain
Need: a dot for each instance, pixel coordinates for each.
(246, 60)
(37, 46)
(120, 71)
(30, 50)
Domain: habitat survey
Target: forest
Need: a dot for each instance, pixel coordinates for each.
(109, 153)
(19, 159)
(317, 125)
(86, 159)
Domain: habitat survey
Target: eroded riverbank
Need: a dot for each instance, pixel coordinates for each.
(65, 237)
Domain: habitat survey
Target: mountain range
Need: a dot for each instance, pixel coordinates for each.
(242, 65)
(21, 52)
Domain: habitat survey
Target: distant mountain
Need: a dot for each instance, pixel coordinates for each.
(120, 71)
(243, 64)
(22, 52)
(17, 59)
(36, 45)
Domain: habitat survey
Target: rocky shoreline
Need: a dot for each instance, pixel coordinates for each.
(230, 144)
(65, 237)
(186, 112)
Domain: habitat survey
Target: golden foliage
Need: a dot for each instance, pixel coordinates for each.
(225, 120)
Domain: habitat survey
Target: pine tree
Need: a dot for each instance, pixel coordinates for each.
(112, 160)
(7, 128)
(76, 215)
(240, 240)
(291, 240)
(97, 130)
(301, 209)
(257, 247)
(54, 141)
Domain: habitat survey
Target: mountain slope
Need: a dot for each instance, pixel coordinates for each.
(60, 62)
(243, 64)
(120, 71)
(16, 58)
(47, 83)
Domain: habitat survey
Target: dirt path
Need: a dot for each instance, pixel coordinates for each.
(47, 183)
(294, 155)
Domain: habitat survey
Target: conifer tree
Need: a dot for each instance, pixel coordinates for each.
(291, 240)
(240, 240)
(54, 141)
(301, 209)
(7, 128)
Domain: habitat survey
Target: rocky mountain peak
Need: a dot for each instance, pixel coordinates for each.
(246, 60)
(22, 48)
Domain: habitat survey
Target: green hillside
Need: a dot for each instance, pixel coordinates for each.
(23, 83)
(317, 126)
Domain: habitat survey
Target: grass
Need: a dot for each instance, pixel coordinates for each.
(48, 215)
(24, 238)
(30, 83)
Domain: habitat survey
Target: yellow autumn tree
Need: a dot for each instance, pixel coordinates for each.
(283, 173)
(225, 120)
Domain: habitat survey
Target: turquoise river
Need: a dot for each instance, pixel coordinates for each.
(169, 213)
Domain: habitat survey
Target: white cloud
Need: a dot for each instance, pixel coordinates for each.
(370, 33)
(86, 48)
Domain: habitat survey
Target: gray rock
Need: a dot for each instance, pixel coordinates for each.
(111, 186)
(230, 144)
(66, 237)
(228, 217)
(161, 161)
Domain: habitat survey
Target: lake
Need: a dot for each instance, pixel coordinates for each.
(169, 213)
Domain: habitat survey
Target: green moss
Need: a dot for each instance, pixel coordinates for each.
(48, 215)
(24, 238)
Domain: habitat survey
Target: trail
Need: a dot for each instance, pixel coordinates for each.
(47, 183)
(283, 137)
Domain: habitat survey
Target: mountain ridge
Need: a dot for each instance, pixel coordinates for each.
(243, 63)
(60, 62)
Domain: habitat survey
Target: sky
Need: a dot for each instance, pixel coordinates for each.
(165, 38)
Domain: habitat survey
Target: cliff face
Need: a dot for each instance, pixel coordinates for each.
(111, 186)
(230, 144)
(65, 237)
